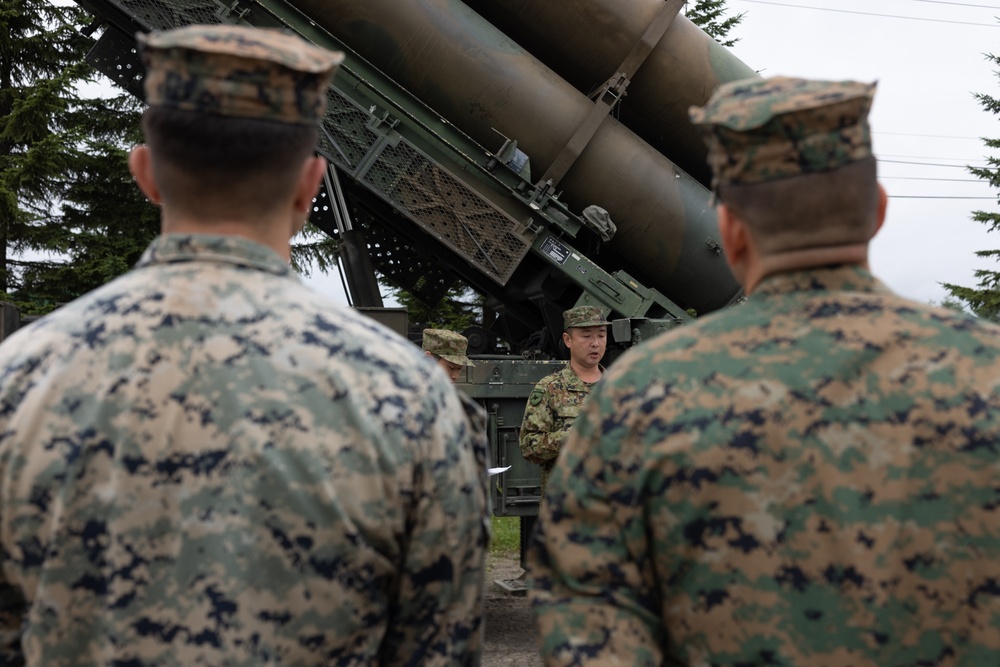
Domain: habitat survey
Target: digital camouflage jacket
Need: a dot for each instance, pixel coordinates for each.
(553, 405)
(204, 462)
(809, 478)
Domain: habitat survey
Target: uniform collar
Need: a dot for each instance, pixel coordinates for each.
(571, 374)
(236, 250)
(841, 278)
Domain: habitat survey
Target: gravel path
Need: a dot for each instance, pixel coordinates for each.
(510, 628)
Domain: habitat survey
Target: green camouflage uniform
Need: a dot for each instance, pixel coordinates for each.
(555, 402)
(809, 478)
(553, 406)
(206, 463)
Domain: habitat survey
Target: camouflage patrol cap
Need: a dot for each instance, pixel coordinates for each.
(228, 70)
(583, 316)
(760, 130)
(448, 345)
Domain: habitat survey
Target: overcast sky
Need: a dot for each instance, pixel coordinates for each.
(928, 57)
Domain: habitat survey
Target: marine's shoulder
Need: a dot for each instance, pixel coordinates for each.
(683, 339)
(83, 318)
(145, 309)
(916, 322)
(946, 317)
(323, 320)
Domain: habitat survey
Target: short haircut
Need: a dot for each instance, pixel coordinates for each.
(222, 166)
(812, 210)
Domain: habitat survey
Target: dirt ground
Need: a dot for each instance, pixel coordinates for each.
(510, 628)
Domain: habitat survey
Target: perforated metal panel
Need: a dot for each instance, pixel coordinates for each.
(166, 14)
(345, 138)
(424, 277)
(322, 213)
(449, 210)
(428, 195)
(115, 56)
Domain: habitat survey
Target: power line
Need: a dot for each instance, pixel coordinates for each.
(931, 157)
(932, 136)
(919, 178)
(936, 197)
(888, 16)
(925, 164)
(958, 4)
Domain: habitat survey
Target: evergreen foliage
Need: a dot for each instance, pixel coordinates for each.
(984, 299)
(71, 217)
(314, 250)
(458, 310)
(710, 16)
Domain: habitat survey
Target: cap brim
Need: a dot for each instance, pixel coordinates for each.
(455, 359)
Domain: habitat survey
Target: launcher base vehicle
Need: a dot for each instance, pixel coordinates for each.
(537, 153)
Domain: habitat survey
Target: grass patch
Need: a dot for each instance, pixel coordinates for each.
(506, 535)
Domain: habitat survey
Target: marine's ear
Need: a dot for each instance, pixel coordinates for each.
(140, 163)
(735, 240)
(883, 206)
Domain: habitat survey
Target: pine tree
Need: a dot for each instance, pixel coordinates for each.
(40, 60)
(458, 309)
(710, 16)
(984, 299)
(71, 217)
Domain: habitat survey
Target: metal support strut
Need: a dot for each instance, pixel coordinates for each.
(611, 93)
(354, 257)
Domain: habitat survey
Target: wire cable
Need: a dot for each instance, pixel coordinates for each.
(931, 136)
(926, 164)
(879, 156)
(920, 178)
(958, 4)
(888, 16)
(937, 197)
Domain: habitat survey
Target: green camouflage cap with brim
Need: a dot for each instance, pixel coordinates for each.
(237, 71)
(448, 345)
(583, 316)
(761, 130)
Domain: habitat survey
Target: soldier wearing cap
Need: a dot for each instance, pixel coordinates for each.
(808, 478)
(205, 462)
(555, 401)
(448, 349)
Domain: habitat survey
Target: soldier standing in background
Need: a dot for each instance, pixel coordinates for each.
(809, 478)
(205, 462)
(448, 349)
(555, 401)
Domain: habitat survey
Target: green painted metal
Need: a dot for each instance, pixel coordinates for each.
(585, 41)
(433, 112)
(502, 385)
(477, 78)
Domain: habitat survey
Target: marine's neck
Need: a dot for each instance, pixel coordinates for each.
(271, 233)
(798, 260)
